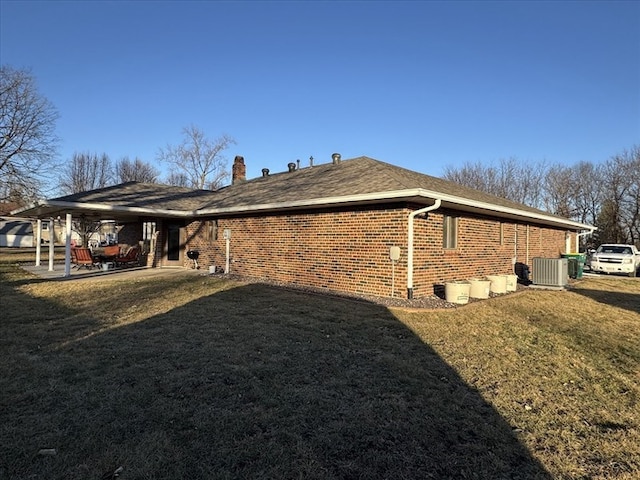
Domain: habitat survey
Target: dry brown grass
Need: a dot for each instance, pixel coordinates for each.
(196, 377)
(563, 368)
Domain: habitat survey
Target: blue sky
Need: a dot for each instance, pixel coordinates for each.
(419, 84)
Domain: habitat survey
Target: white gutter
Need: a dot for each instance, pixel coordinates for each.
(412, 215)
(412, 193)
(393, 195)
(590, 232)
(107, 208)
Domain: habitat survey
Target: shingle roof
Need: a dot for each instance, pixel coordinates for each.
(362, 175)
(321, 185)
(142, 195)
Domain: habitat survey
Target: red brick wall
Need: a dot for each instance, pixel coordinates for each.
(348, 250)
(481, 249)
(342, 251)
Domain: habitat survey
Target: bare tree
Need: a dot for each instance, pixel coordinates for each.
(199, 159)
(28, 143)
(619, 219)
(511, 178)
(560, 191)
(633, 198)
(85, 228)
(178, 179)
(589, 193)
(609, 228)
(86, 171)
(605, 195)
(472, 175)
(135, 171)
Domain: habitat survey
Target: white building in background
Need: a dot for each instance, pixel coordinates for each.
(15, 232)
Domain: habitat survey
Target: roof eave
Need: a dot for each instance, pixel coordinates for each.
(51, 205)
(417, 195)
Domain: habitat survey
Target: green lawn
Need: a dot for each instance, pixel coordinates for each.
(190, 376)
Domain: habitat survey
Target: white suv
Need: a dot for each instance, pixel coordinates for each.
(616, 258)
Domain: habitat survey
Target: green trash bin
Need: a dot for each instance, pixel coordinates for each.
(576, 262)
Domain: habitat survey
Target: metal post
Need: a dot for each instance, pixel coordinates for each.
(226, 265)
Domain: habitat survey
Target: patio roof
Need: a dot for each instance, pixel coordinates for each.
(124, 201)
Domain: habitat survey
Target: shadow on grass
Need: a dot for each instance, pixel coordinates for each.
(253, 382)
(625, 300)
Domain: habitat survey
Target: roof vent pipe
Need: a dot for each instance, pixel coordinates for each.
(412, 215)
(336, 158)
(265, 172)
(292, 167)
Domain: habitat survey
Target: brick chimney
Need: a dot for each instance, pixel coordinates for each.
(238, 171)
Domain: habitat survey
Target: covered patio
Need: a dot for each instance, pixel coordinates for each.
(144, 209)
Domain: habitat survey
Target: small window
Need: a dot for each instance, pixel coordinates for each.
(450, 232)
(45, 226)
(501, 233)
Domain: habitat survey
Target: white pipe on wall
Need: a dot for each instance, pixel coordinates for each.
(412, 215)
(526, 260)
(589, 232)
(515, 245)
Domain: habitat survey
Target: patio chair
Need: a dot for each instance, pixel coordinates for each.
(82, 257)
(130, 258)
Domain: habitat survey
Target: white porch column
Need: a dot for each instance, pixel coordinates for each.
(51, 245)
(67, 246)
(38, 241)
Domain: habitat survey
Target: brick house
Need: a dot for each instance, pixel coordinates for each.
(330, 226)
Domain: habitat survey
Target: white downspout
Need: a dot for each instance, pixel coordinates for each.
(412, 215)
(526, 260)
(514, 260)
(582, 235)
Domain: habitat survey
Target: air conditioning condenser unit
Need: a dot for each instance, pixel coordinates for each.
(550, 271)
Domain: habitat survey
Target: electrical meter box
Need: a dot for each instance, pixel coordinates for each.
(226, 234)
(394, 253)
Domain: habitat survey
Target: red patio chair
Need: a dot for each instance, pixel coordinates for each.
(131, 258)
(82, 257)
